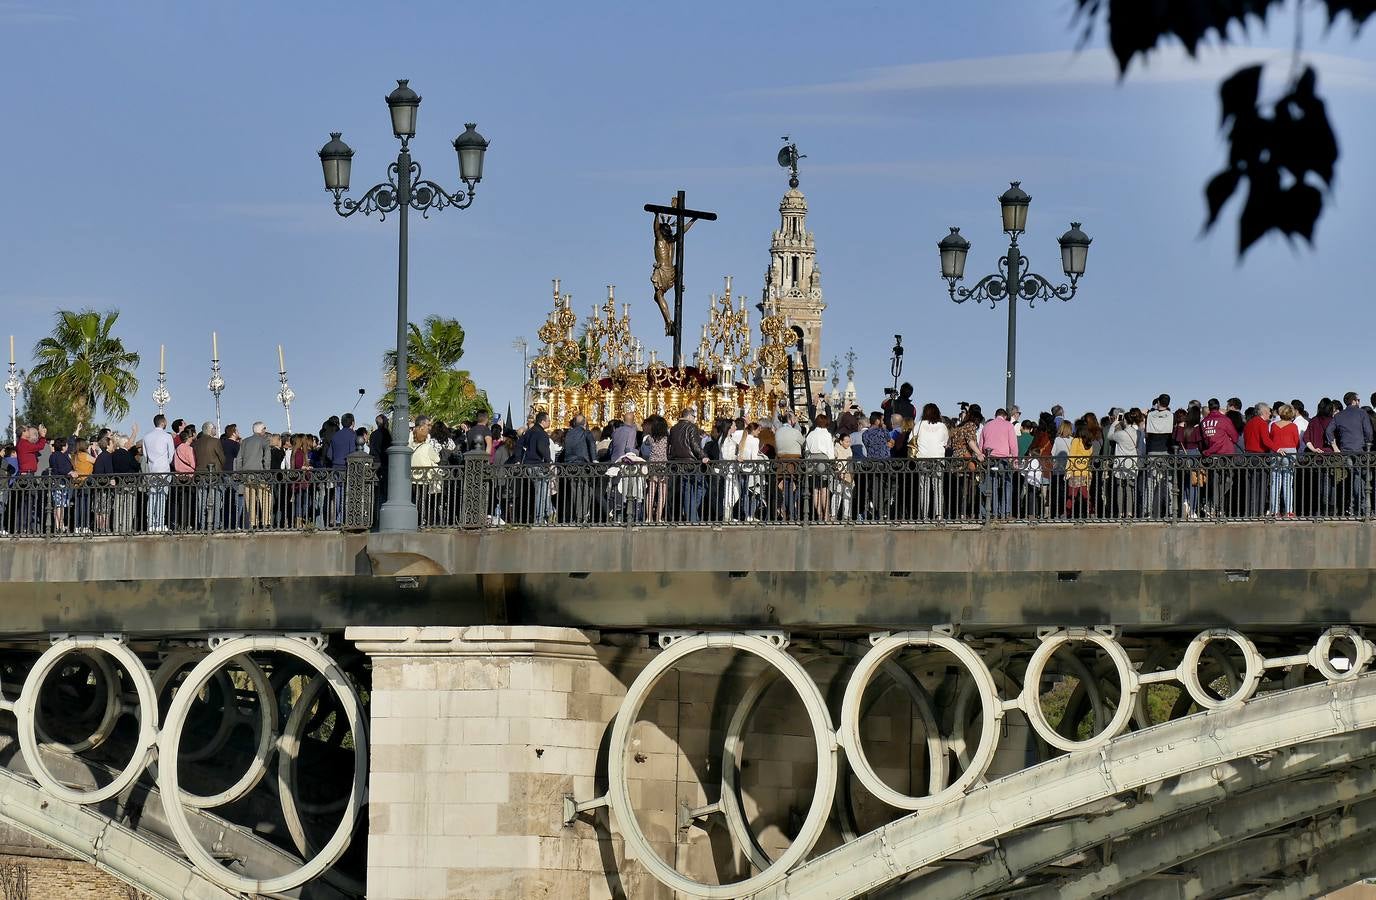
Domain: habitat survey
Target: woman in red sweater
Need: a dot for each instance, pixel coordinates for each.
(1283, 439)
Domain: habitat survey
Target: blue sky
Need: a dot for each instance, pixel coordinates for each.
(161, 158)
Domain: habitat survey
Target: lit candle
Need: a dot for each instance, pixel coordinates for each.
(162, 358)
(214, 346)
(281, 361)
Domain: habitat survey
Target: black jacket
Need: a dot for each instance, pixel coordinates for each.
(535, 447)
(685, 440)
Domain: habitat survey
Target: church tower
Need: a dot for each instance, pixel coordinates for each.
(793, 282)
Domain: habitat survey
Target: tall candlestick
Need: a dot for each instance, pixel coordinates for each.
(281, 360)
(214, 345)
(162, 357)
(12, 386)
(286, 394)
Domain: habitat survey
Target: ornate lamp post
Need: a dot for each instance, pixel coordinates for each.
(217, 384)
(521, 346)
(160, 395)
(403, 190)
(896, 364)
(1013, 281)
(286, 394)
(12, 386)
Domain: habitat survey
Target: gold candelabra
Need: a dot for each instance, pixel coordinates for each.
(725, 343)
(607, 375)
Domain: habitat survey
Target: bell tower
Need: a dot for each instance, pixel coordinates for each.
(793, 282)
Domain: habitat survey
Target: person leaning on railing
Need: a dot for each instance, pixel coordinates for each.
(1350, 433)
(1283, 439)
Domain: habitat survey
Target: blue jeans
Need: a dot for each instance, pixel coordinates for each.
(998, 488)
(542, 498)
(157, 502)
(337, 481)
(1361, 499)
(1189, 489)
(691, 493)
(1283, 485)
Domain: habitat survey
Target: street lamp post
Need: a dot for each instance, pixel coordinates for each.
(217, 382)
(161, 396)
(1013, 281)
(12, 387)
(521, 346)
(896, 365)
(403, 190)
(285, 395)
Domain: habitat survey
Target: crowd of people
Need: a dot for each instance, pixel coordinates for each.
(898, 464)
(174, 477)
(1204, 459)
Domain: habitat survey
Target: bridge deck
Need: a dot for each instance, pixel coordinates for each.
(1146, 575)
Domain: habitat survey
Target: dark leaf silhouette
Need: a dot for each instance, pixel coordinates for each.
(1137, 26)
(1276, 155)
(1359, 10)
(1238, 95)
(1220, 188)
(1285, 150)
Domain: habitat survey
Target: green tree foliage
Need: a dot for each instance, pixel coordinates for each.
(1282, 147)
(439, 389)
(41, 408)
(82, 367)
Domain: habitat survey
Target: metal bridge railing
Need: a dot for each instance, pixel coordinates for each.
(189, 503)
(949, 492)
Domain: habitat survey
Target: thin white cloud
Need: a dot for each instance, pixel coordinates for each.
(13, 14)
(1170, 65)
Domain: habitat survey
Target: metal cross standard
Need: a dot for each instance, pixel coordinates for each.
(679, 212)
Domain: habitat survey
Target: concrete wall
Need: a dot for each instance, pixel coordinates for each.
(1144, 575)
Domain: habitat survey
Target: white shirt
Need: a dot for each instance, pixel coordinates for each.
(750, 448)
(819, 444)
(731, 445)
(158, 451)
(932, 439)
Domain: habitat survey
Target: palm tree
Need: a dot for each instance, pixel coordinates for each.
(439, 389)
(83, 366)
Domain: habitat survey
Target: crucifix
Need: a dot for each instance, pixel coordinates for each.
(670, 224)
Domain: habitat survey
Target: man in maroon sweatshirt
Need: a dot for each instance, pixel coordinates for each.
(1254, 441)
(30, 444)
(1220, 439)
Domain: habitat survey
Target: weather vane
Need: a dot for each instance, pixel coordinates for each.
(788, 158)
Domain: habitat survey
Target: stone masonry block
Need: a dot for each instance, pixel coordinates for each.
(399, 730)
(485, 676)
(416, 704)
(465, 704)
(488, 787)
(486, 731)
(470, 819)
(417, 675)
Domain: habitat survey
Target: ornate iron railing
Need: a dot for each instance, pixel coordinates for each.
(189, 503)
(949, 492)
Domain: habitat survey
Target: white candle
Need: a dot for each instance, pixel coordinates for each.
(11, 349)
(214, 345)
(162, 358)
(281, 362)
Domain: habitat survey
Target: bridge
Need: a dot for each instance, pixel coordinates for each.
(1145, 707)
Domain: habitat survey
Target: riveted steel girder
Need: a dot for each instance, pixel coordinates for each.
(1038, 793)
(1032, 849)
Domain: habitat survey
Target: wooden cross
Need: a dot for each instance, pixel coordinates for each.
(680, 212)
